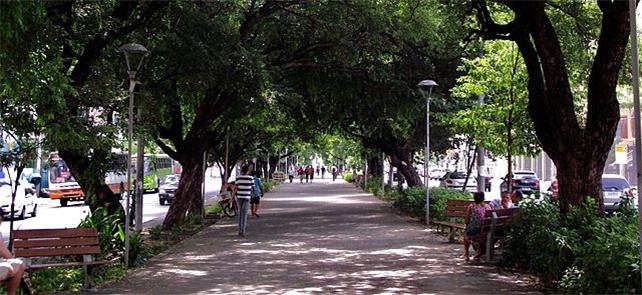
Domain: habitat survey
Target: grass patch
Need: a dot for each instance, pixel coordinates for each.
(71, 279)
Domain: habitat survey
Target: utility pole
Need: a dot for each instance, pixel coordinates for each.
(635, 71)
(140, 170)
(481, 153)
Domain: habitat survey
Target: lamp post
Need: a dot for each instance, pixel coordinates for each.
(132, 52)
(635, 71)
(426, 86)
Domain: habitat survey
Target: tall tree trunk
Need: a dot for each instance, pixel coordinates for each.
(91, 180)
(578, 150)
(404, 166)
(374, 166)
(574, 192)
(189, 189)
(469, 165)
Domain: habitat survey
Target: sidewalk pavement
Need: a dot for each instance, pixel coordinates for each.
(318, 238)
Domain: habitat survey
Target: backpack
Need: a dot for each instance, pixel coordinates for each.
(474, 226)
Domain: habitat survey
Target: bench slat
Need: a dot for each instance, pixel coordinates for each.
(452, 224)
(53, 243)
(84, 250)
(54, 233)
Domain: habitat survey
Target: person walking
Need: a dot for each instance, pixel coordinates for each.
(322, 172)
(244, 186)
(307, 174)
(257, 194)
(318, 170)
(301, 173)
(291, 173)
(311, 172)
(334, 173)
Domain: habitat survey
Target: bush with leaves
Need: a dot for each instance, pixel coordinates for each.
(109, 228)
(374, 185)
(413, 201)
(580, 252)
(348, 177)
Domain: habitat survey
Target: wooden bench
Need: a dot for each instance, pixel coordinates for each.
(79, 242)
(278, 176)
(454, 209)
(494, 228)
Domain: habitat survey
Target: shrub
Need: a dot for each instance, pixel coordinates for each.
(347, 176)
(413, 201)
(374, 186)
(110, 231)
(580, 252)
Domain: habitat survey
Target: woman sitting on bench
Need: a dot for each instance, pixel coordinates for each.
(474, 217)
(11, 269)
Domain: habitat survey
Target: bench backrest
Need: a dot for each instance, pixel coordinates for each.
(55, 242)
(457, 208)
(503, 218)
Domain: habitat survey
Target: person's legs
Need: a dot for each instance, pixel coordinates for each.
(243, 205)
(14, 283)
(466, 247)
(256, 207)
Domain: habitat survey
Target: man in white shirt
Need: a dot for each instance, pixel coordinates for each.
(244, 187)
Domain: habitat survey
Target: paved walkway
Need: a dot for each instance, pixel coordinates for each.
(317, 238)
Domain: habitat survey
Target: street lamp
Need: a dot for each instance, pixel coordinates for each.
(425, 87)
(134, 53)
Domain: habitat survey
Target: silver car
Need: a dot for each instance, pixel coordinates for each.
(613, 188)
(455, 180)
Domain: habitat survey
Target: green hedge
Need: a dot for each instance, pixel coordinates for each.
(347, 176)
(580, 252)
(413, 201)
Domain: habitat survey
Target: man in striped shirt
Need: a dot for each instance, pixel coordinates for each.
(244, 187)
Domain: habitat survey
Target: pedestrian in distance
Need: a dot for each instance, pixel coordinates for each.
(334, 173)
(301, 173)
(244, 186)
(257, 194)
(318, 170)
(307, 174)
(322, 172)
(291, 173)
(311, 172)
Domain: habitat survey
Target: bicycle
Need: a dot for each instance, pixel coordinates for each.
(228, 203)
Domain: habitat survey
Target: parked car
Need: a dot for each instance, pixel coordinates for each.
(525, 181)
(26, 199)
(613, 188)
(436, 173)
(455, 180)
(168, 188)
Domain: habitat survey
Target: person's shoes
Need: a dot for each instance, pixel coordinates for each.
(257, 216)
(242, 235)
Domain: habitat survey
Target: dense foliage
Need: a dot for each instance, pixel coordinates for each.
(580, 252)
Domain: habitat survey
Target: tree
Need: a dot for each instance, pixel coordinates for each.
(58, 63)
(501, 124)
(578, 148)
(396, 45)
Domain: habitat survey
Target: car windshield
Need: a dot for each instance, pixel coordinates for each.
(458, 175)
(611, 184)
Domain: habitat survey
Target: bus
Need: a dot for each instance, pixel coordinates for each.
(58, 184)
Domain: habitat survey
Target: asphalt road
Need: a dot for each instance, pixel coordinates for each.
(51, 215)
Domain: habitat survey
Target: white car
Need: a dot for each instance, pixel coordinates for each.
(26, 199)
(455, 180)
(436, 173)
